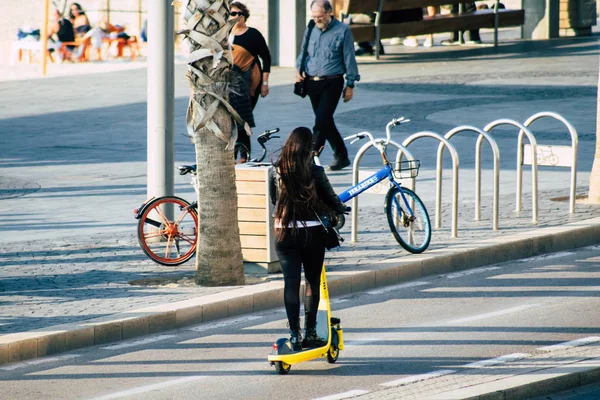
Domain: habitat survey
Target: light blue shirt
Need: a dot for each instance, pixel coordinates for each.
(330, 52)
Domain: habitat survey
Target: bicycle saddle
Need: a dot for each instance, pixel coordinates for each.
(186, 169)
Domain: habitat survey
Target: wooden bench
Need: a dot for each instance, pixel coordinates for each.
(461, 21)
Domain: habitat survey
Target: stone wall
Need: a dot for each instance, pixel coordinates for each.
(577, 17)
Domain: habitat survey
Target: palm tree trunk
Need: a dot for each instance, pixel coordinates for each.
(209, 122)
(594, 192)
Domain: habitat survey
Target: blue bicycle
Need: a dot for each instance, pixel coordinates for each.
(406, 213)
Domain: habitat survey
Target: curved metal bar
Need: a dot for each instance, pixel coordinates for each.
(355, 169)
(534, 169)
(355, 165)
(496, 152)
(454, 155)
(574, 145)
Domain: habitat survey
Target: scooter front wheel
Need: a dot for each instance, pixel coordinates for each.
(283, 368)
(334, 352)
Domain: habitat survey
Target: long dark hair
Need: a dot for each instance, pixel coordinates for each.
(79, 8)
(297, 192)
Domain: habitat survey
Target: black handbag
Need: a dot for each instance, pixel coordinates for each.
(332, 238)
(300, 87)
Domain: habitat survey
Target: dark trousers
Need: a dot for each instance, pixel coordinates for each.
(324, 97)
(473, 33)
(305, 250)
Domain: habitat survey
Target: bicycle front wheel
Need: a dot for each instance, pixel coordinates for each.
(168, 230)
(411, 229)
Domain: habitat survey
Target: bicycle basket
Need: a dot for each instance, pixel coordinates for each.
(406, 169)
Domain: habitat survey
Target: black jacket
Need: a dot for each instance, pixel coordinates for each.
(324, 191)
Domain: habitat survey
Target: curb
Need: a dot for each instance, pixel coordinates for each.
(130, 324)
(517, 387)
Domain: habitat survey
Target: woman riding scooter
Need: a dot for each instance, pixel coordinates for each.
(301, 192)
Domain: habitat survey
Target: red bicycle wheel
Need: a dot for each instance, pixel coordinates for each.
(168, 230)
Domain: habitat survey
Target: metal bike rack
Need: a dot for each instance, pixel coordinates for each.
(438, 202)
(534, 175)
(572, 148)
(355, 167)
(482, 135)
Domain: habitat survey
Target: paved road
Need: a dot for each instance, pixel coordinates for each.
(75, 167)
(436, 323)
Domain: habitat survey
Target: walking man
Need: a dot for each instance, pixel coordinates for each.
(330, 55)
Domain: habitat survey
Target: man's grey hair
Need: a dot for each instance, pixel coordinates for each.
(324, 4)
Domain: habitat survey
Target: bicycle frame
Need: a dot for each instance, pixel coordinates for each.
(384, 173)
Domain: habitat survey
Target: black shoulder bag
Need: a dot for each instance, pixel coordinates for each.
(300, 87)
(332, 237)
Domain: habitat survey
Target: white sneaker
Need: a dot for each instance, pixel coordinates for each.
(410, 42)
(428, 41)
(395, 41)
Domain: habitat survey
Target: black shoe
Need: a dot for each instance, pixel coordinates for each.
(296, 340)
(312, 340)
(339, 163)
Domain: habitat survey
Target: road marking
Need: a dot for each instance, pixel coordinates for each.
(470, 272)
(137, 342)
(497, 360)
(359, 342)
(156, 386)
(345, 395)
(493, 314)
(418, 378)
(38, 361)
(337, 301)
(397, 287)
(547, 256)
(215, 325)
(572, 343)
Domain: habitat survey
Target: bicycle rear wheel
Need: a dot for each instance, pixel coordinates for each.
(411, 230)
(168, 230)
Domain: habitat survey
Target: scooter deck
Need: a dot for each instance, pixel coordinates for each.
(300, 356)
(323, 330)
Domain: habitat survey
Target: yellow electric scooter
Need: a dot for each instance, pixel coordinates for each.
(283, 356)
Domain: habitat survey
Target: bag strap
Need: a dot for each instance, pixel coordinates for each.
(310, 27)
(320, 220)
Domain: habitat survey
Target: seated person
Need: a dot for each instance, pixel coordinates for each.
(474, 37)
(81, 25)
(61, 29)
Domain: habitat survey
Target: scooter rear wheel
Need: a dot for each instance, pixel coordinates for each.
(283, 368)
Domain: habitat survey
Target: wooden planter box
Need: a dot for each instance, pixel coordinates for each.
(255, 216)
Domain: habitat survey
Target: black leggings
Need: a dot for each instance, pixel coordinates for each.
(305, 250)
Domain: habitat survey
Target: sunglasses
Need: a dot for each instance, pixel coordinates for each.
(236, 13)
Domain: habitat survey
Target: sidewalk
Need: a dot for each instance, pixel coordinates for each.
(73, 274)
(516, 376)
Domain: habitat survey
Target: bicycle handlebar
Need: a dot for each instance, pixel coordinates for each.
(266, 136)
(388, 132)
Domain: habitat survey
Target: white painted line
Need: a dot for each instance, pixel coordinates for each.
(493, 314)
(469, 272)
(359, 342)
(547, 256)
(418, 378)
(145, 389)
(572, 343)
(140, 342)
(497, 360)
(337, 301)
(397, 287)
(38, 361)
(345, 395)
(215, 325)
